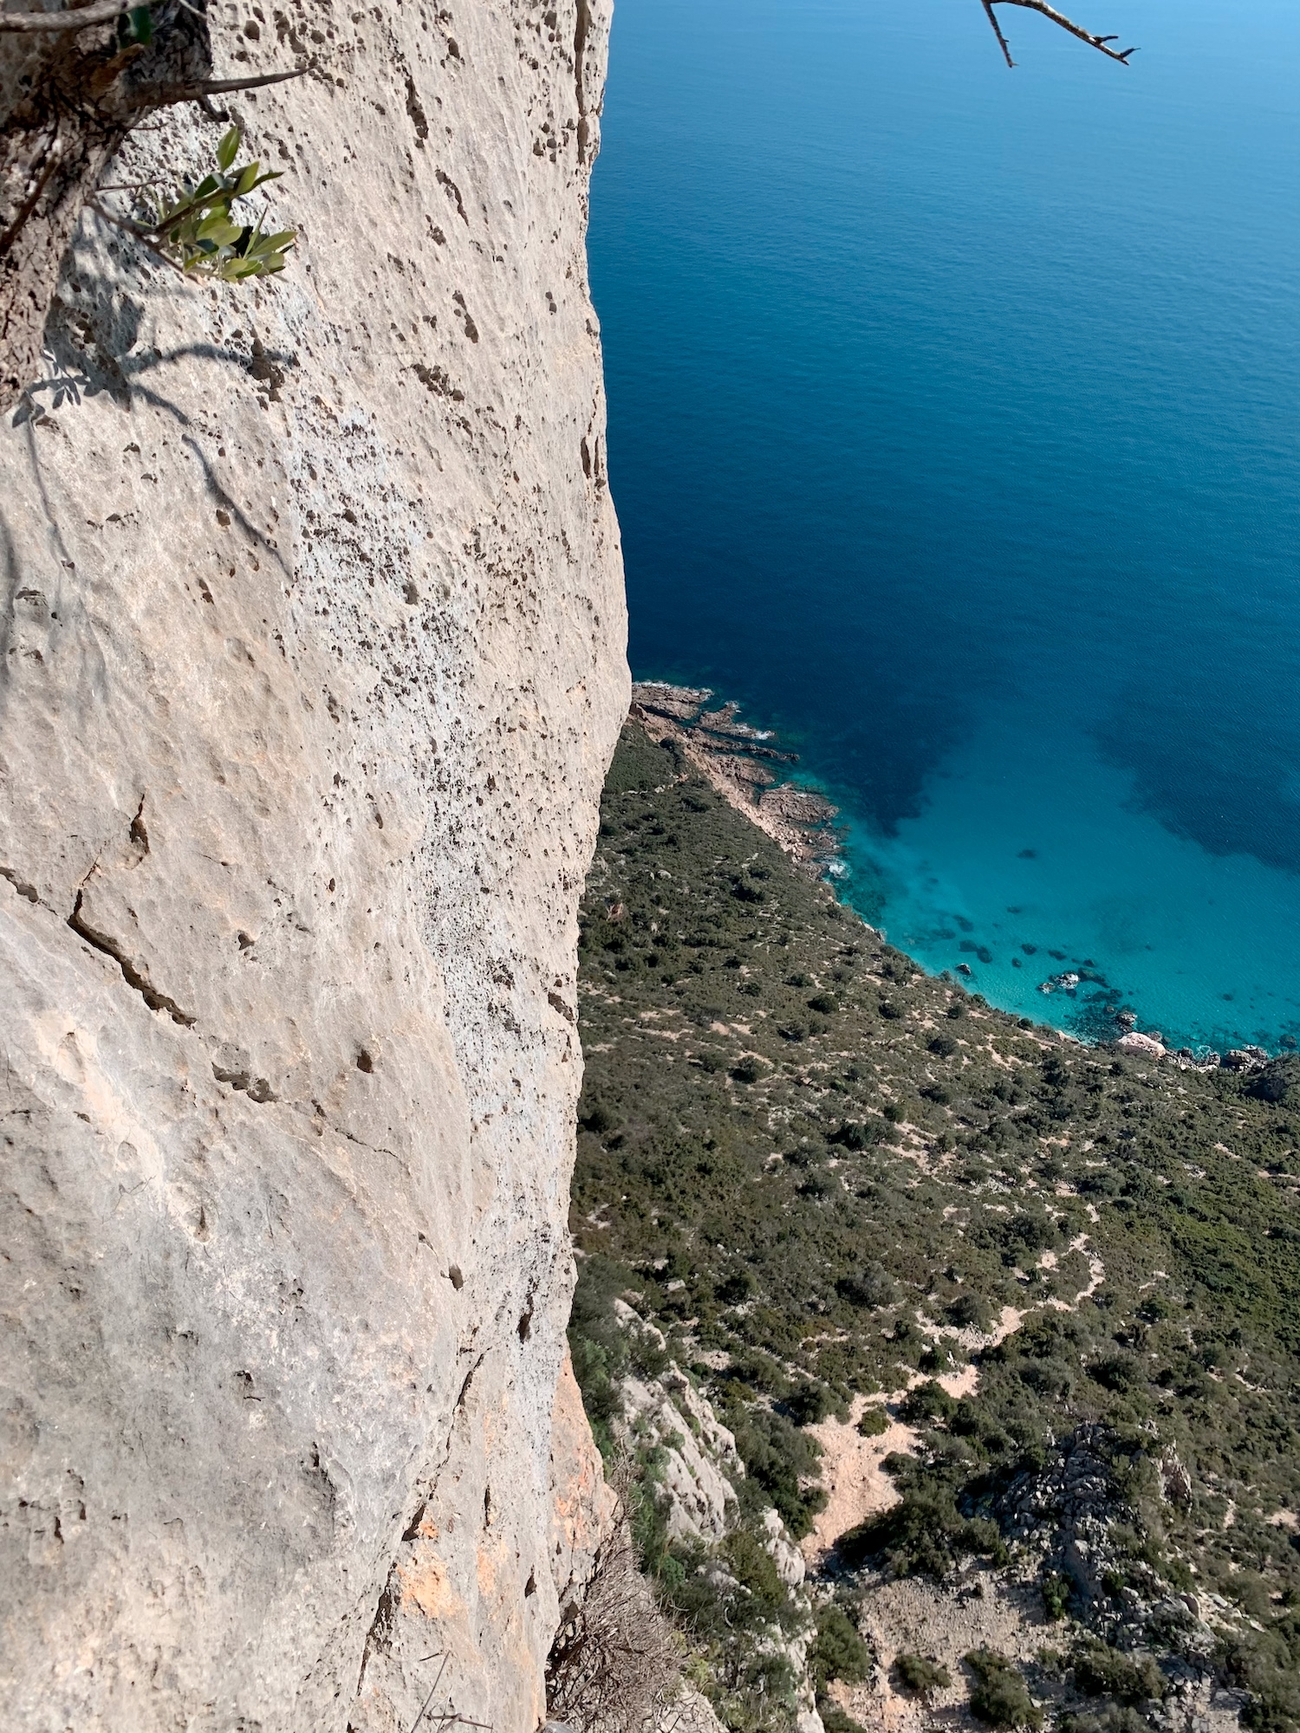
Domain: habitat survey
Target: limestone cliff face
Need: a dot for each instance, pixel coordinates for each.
(312, 665)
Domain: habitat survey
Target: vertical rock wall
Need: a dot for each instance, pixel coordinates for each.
(312, 661)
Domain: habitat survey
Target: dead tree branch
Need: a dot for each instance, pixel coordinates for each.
(74, 18)
(1101, 43)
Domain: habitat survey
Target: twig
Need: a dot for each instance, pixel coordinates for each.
(136, 233)
(429, 1698)
(168, 95)
(997, 31)
(219, 86)
(1101, 43)
(33, 198)
(75, 18)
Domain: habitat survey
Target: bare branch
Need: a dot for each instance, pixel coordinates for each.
(1101, 43)
(997, 31)
(75, 18)
(221, 86)
(135, 231)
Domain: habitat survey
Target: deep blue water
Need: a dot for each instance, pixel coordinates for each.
(955, 431)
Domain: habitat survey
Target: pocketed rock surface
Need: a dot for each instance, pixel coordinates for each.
(312, 667)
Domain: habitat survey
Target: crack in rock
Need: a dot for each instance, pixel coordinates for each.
(134, 977)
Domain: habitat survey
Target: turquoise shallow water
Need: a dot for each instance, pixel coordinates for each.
(955, 431)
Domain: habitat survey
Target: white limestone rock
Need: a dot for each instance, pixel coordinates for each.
(312, 654)
(693, 1477)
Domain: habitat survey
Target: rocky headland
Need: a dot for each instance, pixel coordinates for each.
(747, 768)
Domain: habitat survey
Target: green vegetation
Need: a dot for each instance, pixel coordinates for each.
(821, 1173)
(196, 229)
(838, 1651)
(1000, 1697)
(921, 1674)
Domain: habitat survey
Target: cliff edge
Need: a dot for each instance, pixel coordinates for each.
(312, 655)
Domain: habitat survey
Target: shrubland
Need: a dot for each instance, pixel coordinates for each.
(824, 1175)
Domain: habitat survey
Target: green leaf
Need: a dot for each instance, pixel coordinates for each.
(228, 148)
(135, 27)
(220, 229)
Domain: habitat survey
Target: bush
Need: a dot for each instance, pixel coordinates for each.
(615, 1660)
(929, 1401)
(968, 1312)
(923, 1535)
(1113, 1719)
(873, 1287)
(779, 1458)
(1115, 1372)
(596, 1119)
(834, 1719)
(1001, 1697)
(755, 1570)
(874, 1421)
(1056, 1596)
(921, 1673)
(735, 1288)
(854, 1135)
(1100, 1671)
(838, 1651)
(808, 1403)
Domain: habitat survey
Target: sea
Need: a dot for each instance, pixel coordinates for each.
(954, 431)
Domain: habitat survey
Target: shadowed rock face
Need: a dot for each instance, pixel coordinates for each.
(312, 663)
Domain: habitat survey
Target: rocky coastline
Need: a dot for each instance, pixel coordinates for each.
(748, 767)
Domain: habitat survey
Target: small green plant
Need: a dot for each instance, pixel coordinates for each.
(197, 231)
(1056, 1596)
(1001, 1697)
(197, 228)
(921, 1674)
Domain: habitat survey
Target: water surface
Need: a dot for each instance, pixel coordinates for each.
(955, 430)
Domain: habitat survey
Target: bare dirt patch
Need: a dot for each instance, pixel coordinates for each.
(912, 1616)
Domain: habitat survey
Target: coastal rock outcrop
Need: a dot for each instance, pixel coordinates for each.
(312, 662)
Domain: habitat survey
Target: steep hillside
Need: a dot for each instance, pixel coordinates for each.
(1007, 1328)
(312, 665)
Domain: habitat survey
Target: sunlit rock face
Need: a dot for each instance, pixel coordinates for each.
(312, 665)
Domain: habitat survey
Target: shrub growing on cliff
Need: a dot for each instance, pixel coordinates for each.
(196, 229)
(838, 1651)
(615, 1661)
(1100, 1671)
(921, 1674)
(1000, 1697)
